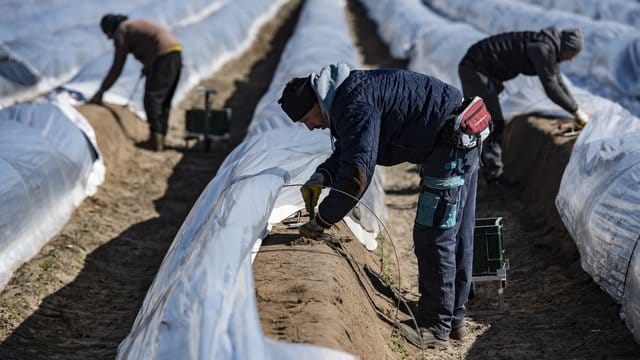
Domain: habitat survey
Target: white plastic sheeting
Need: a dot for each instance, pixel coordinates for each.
(436, 44)
(201, 304)
(620, 11)
(410, 20)
(611, 55)
(48, 165)
(599, 202)
(599, 197)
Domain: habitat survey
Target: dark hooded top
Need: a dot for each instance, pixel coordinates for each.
(383, 117)
(505, 56)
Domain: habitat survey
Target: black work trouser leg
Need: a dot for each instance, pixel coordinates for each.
(162, 80)
(475, 83)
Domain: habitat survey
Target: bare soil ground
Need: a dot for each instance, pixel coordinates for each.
(79, 296)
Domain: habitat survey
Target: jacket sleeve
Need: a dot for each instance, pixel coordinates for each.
(546, 66)
(119, 59)
(359, 132)
(329, 167)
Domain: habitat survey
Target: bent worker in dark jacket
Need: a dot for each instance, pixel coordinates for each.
(160, 54)
(387, 117)
(496, 59)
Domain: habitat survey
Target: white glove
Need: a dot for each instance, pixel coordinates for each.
(581, 118)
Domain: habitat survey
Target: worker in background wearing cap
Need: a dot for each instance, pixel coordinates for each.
(160, 54)
(387, 117)
(491, 61)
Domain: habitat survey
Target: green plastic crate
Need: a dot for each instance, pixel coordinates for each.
(488, 246)
(219, 122)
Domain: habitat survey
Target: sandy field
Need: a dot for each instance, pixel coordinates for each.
(78, 298)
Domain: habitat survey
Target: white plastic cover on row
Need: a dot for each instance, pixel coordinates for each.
(611, 55)
(620, 11)
(599, 194)
(48, 165)
(64, 39)
(201, 304)
(599, 201)
(423, 37)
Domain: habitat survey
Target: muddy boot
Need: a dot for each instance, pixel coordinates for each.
(458, 333)
(158, 141)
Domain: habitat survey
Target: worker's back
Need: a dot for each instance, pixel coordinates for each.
(409, 108)
(144, 39)
(506, 55)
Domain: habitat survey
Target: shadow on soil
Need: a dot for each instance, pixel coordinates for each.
(250, 91)
(374, 51)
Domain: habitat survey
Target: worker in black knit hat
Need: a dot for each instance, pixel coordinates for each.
(498, 58)
(387, 117)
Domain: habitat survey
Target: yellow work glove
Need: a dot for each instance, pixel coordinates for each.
(311, 191)
(581, 118)
(311, 229)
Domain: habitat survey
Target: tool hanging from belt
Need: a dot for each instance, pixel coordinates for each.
(472, 125)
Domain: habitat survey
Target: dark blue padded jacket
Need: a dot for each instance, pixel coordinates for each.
(382, 117)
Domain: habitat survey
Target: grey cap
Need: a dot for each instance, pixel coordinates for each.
(571, 41)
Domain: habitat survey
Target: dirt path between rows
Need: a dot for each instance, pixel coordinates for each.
(79, 296)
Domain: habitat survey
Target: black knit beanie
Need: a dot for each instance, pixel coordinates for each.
(297, 98)
(110, 22)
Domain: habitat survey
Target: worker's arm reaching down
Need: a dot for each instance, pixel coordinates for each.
(357, 152)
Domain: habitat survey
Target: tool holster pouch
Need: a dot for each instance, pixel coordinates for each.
(438, 201)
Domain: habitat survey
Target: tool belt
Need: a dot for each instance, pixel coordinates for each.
(468, 125)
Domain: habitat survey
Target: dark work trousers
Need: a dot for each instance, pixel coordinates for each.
(162, 79)
(443, 237)
(475, 83)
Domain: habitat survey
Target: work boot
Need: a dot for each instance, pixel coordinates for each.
(423, 339)
(430, 341)
(158, 141)
(410, 334)
(458, 333)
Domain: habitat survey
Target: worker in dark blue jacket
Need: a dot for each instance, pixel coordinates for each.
(387, 117)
